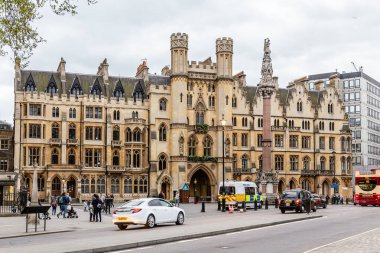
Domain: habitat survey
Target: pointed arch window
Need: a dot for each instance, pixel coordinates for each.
(192, 146)
(52, 86)
(162, 162)
(128, 135)
(41, 183)
(137, 135)
(72, 131)
(323, 163)
(76, 88)
(55, 131)
(207, 145)
(96, 88)
(30, 85)
(115, 158)
(244, 161)
(226, 100)
(116, 115)
(119, 90)
(143, 185)
(85, 185)
(128, 158)
(136, 159)
(162, 132)
(332, 163)
(115, 185)
(260, 162)
(330, 108)
(72, 113)
(180, 97)
(128, 184)
(162, 104)
(116, 133)
(71, 157)
(200, 118)
(306, 163)
(101, 184)
(54, 156)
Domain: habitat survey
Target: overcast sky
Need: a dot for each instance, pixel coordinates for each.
(307, 37)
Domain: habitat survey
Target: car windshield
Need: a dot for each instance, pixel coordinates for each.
(132, 203)
(290, 194)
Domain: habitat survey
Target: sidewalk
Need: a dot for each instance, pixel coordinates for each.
(83, 235)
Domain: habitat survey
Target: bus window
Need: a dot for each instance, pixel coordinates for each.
(367, 185)
(230, 190)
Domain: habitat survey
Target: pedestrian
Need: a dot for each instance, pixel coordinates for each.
(53, 207)
(176, 198)
(85, 206)
(112, 197)
(327, 199)
(91, 211)
(60, 203)
(97, 204)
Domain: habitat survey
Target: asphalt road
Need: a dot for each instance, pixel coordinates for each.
(339, 223)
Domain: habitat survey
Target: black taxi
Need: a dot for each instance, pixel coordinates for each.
(298, 200)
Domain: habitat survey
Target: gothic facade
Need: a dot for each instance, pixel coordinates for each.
(142, 135)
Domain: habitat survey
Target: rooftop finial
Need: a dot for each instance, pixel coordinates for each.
(266, 68)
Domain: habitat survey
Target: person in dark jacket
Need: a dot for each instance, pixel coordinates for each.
(97, 204)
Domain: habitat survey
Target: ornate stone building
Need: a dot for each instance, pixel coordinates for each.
(134, 136)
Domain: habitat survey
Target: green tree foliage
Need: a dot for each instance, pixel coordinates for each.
(18, 35)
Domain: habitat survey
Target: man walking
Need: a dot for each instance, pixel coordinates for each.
(63, 201)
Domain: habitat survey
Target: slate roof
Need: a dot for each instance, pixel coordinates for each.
(159, 80)
(41, 79)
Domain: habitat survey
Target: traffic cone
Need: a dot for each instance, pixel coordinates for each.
(230, 209)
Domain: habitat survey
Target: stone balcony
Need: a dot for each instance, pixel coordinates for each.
(116, 169)
(243, 171)
(55, 141)
(278, 128)
(116, 143)
(135, 121)
(73, 142)
(317, 172)
(294, 129)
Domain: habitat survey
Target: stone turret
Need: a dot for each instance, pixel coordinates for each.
(224, 51)
(179, 48)
(103, 70)
(62, 72)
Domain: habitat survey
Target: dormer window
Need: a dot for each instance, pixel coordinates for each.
(30, 85)
(52, 86)
(96, 89)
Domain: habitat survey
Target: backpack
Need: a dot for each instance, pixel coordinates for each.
(99, 205)
(60, 200)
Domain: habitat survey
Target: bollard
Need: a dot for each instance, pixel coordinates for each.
(244, 207)
(255, 205)
(266, 204)
(223, 204)
(261, 204)
(219, 206)
(276, 203)
(346, 201)
(203, 207)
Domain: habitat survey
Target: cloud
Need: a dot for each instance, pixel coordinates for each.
(306, 37)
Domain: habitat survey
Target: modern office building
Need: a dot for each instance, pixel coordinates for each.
(360, 94)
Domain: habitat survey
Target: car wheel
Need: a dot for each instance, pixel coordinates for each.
(282, 210)
(315, 209)
(150, 222)
(122, 227)
(180, 218)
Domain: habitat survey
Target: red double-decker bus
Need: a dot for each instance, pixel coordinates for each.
(367, 188)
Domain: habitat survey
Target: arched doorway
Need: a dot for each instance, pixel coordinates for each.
(56, 187)
(200, 185)
(325, 188)
(281, 187)
(165, 188)
(71, 187)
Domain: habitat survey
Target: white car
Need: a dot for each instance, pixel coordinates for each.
(148, 212)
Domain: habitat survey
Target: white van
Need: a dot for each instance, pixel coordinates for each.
(239, 191)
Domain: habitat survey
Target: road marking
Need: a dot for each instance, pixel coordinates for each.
(341, 240)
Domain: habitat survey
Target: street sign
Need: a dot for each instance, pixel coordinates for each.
(185, 188)
(335, 186)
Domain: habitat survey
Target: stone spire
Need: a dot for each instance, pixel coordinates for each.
(266, 68)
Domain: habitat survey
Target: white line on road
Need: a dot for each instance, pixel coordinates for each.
(341, 240)
(134, 249)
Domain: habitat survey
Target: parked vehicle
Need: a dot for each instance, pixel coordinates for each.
(319, 201)
(296, 200)
(148, 212)
(238, 192)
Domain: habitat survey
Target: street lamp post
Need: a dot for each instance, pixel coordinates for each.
(333, 153)
(224, 190)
